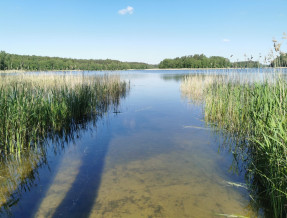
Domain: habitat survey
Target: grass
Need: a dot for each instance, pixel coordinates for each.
(38, 107)
(253, 110)
(33, 106)
(193, 86)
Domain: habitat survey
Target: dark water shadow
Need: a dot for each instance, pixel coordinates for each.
(28, 190)
(80, 199)
(42, 173)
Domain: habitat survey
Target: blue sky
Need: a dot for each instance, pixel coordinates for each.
(141, 30)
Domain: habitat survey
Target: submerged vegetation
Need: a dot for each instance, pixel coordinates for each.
(33, 106)
(252, 109)
(18, 174)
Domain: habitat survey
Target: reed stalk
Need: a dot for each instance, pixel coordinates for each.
(31, 106)
(253, 111)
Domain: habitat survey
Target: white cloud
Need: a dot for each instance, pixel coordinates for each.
(128, 10)
(225, 40)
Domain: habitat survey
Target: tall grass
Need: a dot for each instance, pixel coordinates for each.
(33, 106)
(254, 111)
(193, 86)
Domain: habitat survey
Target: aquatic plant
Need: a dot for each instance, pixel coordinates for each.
(193, 86)
(253, 110)
(44, 111)
(33, 106)
(18, 174)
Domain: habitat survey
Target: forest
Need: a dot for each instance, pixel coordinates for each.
(39, 63)
(195, 61)
(201, 61)
(280, 61)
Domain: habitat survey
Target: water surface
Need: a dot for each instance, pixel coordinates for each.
(154, 156)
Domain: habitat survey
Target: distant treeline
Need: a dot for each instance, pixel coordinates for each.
(246, 64)
(39, 63)
(280, 61)
(195, 61)
(201, 61)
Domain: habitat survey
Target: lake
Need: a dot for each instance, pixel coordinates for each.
(152, 156)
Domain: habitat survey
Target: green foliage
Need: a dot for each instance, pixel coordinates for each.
(33, 106)
(250, 112)
(38, 63)
(246, 64)
(196, 61)
(256, 112)
(280, 61)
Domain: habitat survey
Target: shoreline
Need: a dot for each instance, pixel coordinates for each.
(39, 71)
(152, 69)
(238, 68)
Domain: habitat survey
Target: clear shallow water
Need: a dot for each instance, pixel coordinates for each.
(156, 158)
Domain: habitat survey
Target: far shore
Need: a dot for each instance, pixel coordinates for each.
(152, 69)
(204, 68)
(40, 71)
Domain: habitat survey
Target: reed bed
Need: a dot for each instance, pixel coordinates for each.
(39, 109)
(193, 86)
(34, 106)
(252, 109)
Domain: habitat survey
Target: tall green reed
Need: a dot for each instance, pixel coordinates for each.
(35, 109)
(253, 111)
(33, 106)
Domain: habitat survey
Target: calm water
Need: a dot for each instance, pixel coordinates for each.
(154, 157)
